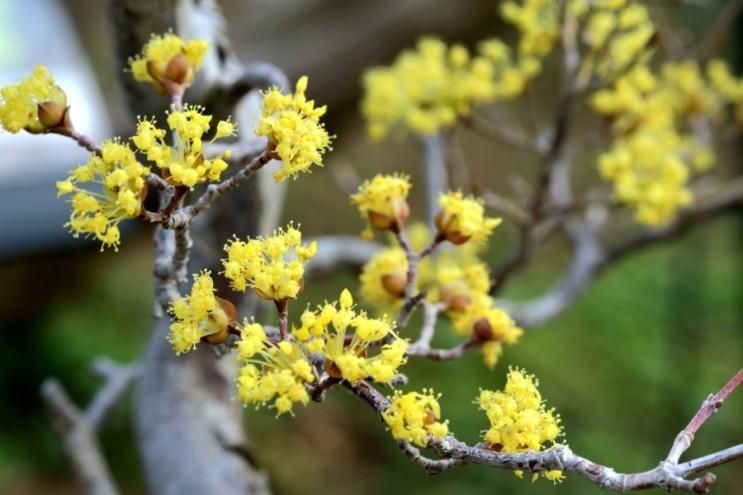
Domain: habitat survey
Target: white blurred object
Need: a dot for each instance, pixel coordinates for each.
(39, 32)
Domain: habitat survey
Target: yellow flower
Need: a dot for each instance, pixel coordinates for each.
(199, 315)
(292, 125)
(538, 24)
(184, 163)
(272, 266)
(489, 326)
(383, 279)
(381, 202)
(519, 421)
(618, 35)
(460, 279)
(426, 89)
(415, 416)
(167, 59)
(655, 152)
(346, 337)
(270, 371)
(463, 218)
(22, 104)
(121, 179)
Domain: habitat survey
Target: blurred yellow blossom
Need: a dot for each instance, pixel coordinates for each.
(414, 416)
(656, 120)
(538, 23)
(293, 128)
(487, 325)
(383, 279)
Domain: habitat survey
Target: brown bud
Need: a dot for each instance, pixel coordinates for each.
(218, 338)
(495, 447)
(483, 332)
(228, 308)
(430, 418)
(51, 114)
(394, 284)
(456, 237)
(443, 225)
(220, 320)
(332, 369)
(301, 287)
(453, 298)
(380, 221)
(459, 303)
(403, 212)
(177, 69)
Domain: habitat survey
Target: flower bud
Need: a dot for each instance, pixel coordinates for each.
(394, 284)
(177, 69)
(453, 298)
(444, 223)
(51, 114)
(482, 330)
(332, 369)
(219, 322)
(380, 221)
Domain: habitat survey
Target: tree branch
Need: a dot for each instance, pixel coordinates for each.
(78, 428)
(667, 475)
(590, 259)
(435, 173)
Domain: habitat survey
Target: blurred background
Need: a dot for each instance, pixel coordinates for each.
(626, 367)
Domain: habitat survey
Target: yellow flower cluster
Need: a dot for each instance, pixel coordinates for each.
(618, 34)
(463, 218)
(293, 128)
(168, 59)
(270, 371)
(184, 164)
(21, 104)
(197, 315)
(456, 279)
(518, 419)
(538, 23)
(415, 416)
(346, 337)
(382, 202)
(272, 266)
(123, 187)
(428, 88)
(484, 322)
(383, 279)
(655, 151)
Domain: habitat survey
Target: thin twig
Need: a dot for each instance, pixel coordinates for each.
(710, 406)
(78, 428)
